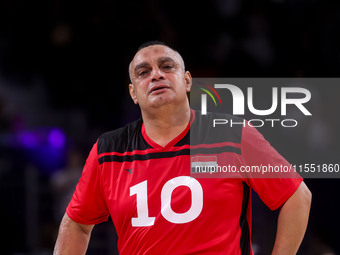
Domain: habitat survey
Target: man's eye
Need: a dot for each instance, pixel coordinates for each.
(168, 67)
(142, 73)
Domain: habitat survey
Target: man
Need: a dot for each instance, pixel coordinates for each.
(140, 175)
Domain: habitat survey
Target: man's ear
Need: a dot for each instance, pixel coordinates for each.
(133, 93)
(188, 80)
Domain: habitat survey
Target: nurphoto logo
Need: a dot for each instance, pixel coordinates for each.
(280, 98)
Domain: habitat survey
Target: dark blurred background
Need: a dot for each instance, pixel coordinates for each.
(64, 81)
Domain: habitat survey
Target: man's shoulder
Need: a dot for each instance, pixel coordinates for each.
(119, 139)
(117, 133)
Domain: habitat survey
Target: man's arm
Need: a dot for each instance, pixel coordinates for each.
(292, 222)
(73, 238)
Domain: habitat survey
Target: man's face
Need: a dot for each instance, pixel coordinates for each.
(158, 77)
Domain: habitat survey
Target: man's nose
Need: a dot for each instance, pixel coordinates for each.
(157, 75)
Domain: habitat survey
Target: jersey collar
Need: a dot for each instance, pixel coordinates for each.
(173, 141)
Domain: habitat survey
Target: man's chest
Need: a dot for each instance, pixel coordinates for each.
(144, 193)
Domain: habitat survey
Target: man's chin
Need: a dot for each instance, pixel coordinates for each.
(162, 101)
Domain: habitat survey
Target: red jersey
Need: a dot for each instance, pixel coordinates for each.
(157, 207)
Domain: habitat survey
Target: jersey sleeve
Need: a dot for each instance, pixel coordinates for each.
(88, 205)
(276, 187)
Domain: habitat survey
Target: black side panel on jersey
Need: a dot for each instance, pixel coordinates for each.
(128, 138)
(245, 232)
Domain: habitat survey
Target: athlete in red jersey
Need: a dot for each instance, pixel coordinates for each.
(141, 176)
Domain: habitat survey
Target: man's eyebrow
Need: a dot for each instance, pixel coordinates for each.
(141, 65)
(165, 59)
(161, 60)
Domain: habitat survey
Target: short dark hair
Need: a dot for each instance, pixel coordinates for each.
(150, 43)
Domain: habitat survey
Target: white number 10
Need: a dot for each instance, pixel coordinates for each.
(140, 190)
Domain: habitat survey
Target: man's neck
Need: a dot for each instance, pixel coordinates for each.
(166, 123)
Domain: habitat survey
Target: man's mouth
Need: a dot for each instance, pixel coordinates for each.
(157, 89)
